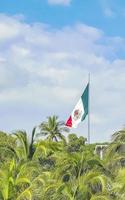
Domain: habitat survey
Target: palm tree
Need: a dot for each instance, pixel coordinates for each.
(45, 148)
(53, 129)
(7, 147)
(21, 180)
(92, 184)
(31, 146)
(114, 157)
(5, 181)
(118, 185)
(25, 148)
(10, 179)
(119, 136)
(46, 169)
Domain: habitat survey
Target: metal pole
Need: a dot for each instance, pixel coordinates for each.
(89, 108)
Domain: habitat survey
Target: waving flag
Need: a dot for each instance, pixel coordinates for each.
(80, 111)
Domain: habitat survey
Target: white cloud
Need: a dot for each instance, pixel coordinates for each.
(59, 2)
(43, 71)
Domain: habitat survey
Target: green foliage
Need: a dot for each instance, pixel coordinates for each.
(75, 144)
(25, 149)
(7, 147)
(56, 169)
(53, 129)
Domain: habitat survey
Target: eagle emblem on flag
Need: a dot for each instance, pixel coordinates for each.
(77, 114)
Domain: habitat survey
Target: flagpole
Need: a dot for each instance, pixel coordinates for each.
(89, 109)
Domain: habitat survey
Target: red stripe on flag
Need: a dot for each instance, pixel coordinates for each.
(69, 122)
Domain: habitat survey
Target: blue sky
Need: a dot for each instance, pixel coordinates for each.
(47, 49)
(108, 15)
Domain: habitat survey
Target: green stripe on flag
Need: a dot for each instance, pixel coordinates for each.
(85, 101)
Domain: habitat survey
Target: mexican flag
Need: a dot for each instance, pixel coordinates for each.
(80, 111)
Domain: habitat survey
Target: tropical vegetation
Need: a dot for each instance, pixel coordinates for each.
(53, 164)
